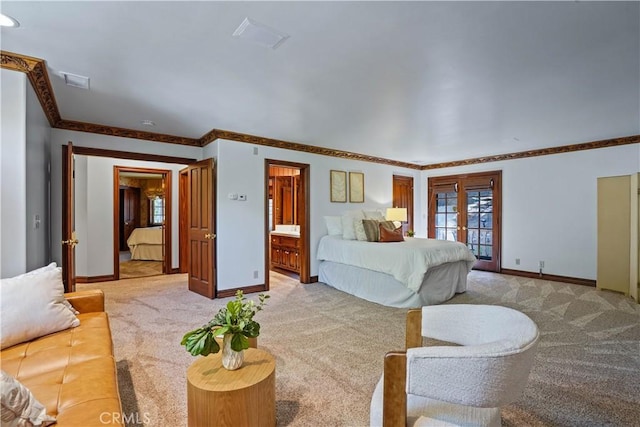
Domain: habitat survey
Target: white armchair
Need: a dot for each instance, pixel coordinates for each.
(463, 384)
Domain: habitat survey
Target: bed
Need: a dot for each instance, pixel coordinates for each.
(407, 274)
(146, 244)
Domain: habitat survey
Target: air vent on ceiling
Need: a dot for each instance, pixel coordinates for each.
(75, 80)
(259, 33)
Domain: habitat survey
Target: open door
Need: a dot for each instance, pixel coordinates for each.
(201, 252)
(69, 240)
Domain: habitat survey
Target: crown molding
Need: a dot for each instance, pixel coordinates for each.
(604, 143)
(36, 71)
(126, 133)
(258, 140)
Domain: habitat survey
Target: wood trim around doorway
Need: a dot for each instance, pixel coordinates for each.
(166, 177)
(304, 218)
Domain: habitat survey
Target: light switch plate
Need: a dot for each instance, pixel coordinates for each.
(242, 197)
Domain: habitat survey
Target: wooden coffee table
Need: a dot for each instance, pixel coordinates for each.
(244, 397)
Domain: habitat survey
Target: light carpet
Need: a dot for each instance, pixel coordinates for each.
(329, 348)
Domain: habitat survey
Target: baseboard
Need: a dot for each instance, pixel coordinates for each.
(95, 279)
(313, 279)
(552, 277)
(248, 290)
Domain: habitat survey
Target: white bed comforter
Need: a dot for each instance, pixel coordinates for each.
(406, 261)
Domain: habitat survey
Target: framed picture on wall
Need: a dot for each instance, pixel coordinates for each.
(356, 187)
(338, 186)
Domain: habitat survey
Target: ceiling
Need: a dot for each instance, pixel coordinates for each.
(419, 82)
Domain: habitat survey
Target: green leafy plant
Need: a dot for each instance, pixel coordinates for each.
(410, 233)
(236, 318)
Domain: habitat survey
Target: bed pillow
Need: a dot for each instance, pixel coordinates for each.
(41, 295)
(19, 407)
(377, 215)
(348, 224)
(371, 229)
(334, 225)
(359, 229)
(387, 235)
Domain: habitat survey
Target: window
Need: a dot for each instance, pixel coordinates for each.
(156, 212)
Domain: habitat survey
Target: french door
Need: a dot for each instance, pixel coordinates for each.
(467, 208)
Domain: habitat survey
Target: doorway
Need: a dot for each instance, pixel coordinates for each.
(287, 220)
(467, 208)
(142, 222)
(403, 198)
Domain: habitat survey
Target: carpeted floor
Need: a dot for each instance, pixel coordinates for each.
(329, 348)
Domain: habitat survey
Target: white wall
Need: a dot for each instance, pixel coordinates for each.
(240, 224)
(13, 206)
(82, 139)
(38, 139)
(94, 212)
(549, 206)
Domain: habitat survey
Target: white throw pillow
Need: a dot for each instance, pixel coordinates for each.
(377, 215)
(348, 228)
(19, 407)
(47, 268)
(33, 305)
(334, 225)
(358, 226)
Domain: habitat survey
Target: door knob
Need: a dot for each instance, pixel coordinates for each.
(73, 241)
(458, 227)
(464, 228)
(210, 236)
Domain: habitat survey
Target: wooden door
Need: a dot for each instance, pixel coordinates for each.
(467, 208)
(69, 240)
(183, 214)
(403, 198)
(130, 200)
(201, 228)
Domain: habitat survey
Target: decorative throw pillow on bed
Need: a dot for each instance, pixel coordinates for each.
(334, 225)
(377, 215)
(348, 224)
(371, 229)
(19, 407)
(359, 229)
(33, 305)
(387, 235)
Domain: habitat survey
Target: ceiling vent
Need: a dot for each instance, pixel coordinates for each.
(75, 80)
(259, 33)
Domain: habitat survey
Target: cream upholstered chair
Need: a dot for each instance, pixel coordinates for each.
(463, 384)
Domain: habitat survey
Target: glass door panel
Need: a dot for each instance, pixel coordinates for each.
(446, 218)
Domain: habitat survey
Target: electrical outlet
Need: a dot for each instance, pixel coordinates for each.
(541, 264)
(255, 274)
(517, 261)
(242, 197)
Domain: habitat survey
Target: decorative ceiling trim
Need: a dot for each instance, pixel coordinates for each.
(36, 71)
(126, 133)
(604, 143)
(117, 154)
(258, 140)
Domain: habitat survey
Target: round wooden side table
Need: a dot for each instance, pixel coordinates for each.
(244, 397)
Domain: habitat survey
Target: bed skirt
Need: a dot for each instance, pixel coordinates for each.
(440, 284)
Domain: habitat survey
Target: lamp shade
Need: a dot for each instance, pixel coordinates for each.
(396, 214)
